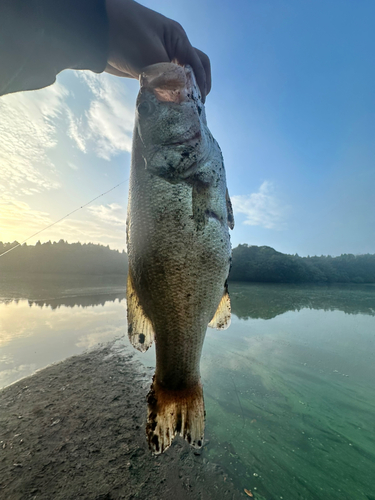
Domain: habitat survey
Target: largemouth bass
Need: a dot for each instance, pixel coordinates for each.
(179, 247)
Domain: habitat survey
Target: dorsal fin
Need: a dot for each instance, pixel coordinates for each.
(221, 319)
(140, 329)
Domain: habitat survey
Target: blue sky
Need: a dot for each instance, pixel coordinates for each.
(292, 107)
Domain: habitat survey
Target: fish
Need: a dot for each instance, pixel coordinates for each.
(178, 244)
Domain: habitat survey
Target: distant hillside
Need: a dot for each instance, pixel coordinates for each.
(62, 257)
(264, 264)
(250, 263)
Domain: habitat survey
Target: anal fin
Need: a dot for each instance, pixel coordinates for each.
(140, 329)
(221, 319)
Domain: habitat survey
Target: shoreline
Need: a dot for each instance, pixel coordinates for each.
(76, 430)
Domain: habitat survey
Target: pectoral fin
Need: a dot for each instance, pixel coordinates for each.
(221, 320)
(140, 329)
(230, 215)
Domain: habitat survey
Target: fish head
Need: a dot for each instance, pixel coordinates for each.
(170, 121)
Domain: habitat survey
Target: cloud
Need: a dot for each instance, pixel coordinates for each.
(90, 229)
(261, 208)
(74, 127)
(34, 157)
(28, 127)
(110, 118)
(30, 123)
(15, 216)
(99, 224)
(113, 214)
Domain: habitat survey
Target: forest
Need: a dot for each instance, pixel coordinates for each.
(249, 263)
(264, 264)
(62, 257)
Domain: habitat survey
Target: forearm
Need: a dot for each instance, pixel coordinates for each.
(40, 38)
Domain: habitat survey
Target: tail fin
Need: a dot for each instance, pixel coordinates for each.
(172, 412)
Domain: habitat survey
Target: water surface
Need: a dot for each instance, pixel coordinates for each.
(289, 387)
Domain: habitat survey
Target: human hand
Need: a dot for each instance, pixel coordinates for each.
(139, 36)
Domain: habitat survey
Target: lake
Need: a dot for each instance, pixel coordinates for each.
(289, 387)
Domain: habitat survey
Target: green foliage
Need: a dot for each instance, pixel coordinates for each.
(264, 264)
(249, 263)
(63, 257)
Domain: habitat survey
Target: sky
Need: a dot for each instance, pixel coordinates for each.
(292, 107)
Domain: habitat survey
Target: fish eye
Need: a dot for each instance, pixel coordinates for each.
(146, 108)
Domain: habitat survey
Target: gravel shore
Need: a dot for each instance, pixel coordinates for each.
(76, 430)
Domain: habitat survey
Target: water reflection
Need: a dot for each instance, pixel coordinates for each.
(291, 403)
(84, 301)
(56, 286)
(266, 301)
(289, 390)
(34, 337)
(249, 300)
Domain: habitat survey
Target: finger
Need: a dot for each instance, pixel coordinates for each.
(158, 55)
(200, 74)
(186, 54)
(207, 68)
(180, 49)
(114, 71)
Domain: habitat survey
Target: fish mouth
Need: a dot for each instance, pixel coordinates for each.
(192, 141)
(170, 82)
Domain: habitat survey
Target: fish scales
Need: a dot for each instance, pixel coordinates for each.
(178, 246)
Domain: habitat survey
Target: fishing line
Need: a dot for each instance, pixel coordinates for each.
(62, 218)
